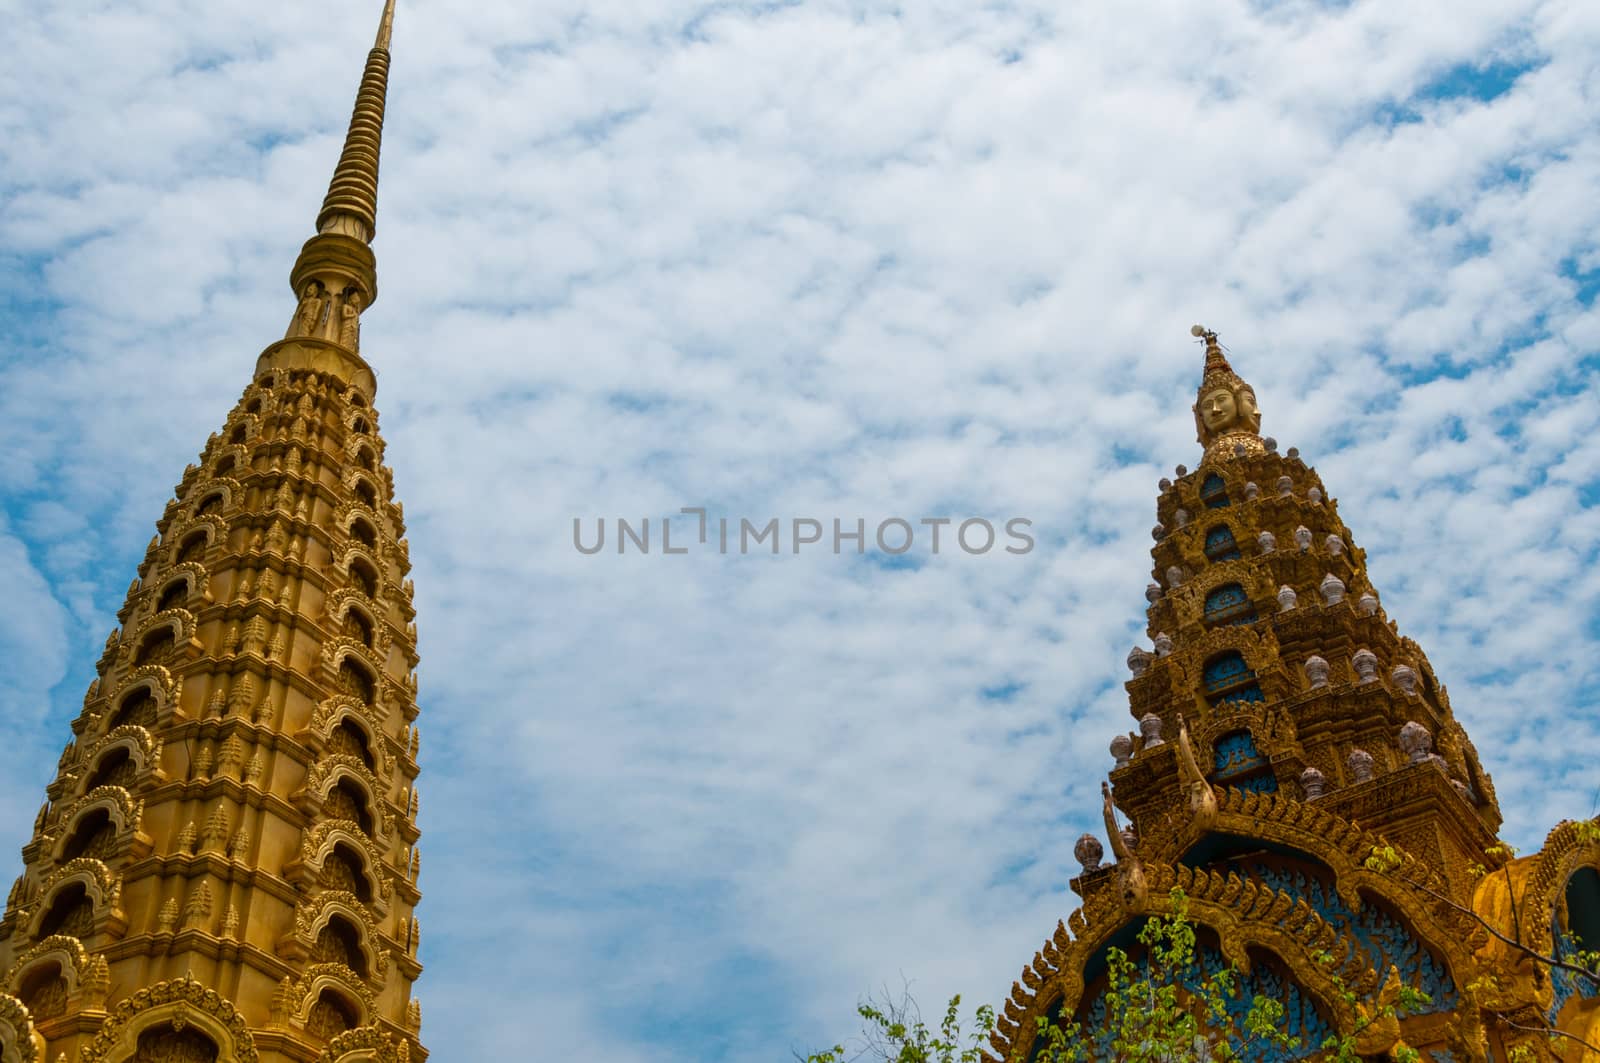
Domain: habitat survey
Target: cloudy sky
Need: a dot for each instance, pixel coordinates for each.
(822, 259)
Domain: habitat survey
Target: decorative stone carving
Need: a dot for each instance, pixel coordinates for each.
(1302, 538)
(1334, 545)
(1314, 496)
(1164, 484)
(167, 917)
(197, 912)
(1174, 577)
(1416, 742)
(1268, 541)
(1240, 450)
(215, 834)
(1150, 730)
(1292, 453)
(1163, 644)
(1287, 598)
(1089, 852)
(204, 758)
(309, 313)
(1312, 782)
(1152, 593)
(1405, 678)
(1285, 487)
(1122, 750)
(1251, 491)
(1182, 470)
(1138, 661)
(350, 320)
(239, 698)
(1182, 517)
(255, 635)
(1360, 764)
(1158, 532)
(1332, 588)
(230, 922)
(1271, 445)
(1368, 604)
(1366, 665)
(1317, 671)
(232, 755)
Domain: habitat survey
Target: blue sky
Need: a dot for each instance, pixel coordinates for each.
(829, 260)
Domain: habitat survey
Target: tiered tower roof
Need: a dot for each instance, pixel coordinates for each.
(225, 867)
(1297, 772)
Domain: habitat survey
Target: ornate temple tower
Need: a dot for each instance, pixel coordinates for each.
(225, 866)
(1298, 773)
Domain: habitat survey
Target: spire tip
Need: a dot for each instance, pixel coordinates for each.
(385, 27)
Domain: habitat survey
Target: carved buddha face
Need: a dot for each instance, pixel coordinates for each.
(1226, 409)
(1219, 410)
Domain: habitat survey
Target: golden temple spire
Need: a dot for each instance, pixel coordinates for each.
(351, 205)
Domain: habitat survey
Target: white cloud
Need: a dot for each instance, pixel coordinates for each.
(832, 259)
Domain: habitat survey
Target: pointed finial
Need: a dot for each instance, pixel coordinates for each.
(385, 27)
(351, 206)
(335, 278)
(1216, 361)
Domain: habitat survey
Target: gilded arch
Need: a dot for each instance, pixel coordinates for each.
(182, 530)
(331, 710)
(1243, 914)
(340, 602)
(334, 652)
(227, 486)
(320, 841)
(193, 573)
(238, 418)
(238, 452)
(1274, 732)
(303, 992)
(180, 621)
(163, 687)
(353, 413)
(1189, 597)
(1569, 847)
(19, 1041)
(144, 749)
(100, 884)
(329, 770)
(178, 1003)
(365, 1044)
(316, 913)
(82, 971)
(354, 551)
(124, 810)
(1344, 849)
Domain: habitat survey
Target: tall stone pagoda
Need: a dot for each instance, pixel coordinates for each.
(225, 867)
(1298, 773)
